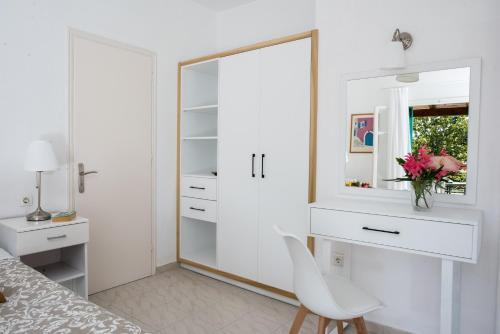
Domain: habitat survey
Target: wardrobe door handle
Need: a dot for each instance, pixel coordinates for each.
(253, 165)
(197, 188)
(262, 166)
(377, 230)
(196, 209)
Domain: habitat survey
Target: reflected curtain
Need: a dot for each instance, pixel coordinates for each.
(398, 143)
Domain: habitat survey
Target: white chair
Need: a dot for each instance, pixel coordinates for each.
(333, 298)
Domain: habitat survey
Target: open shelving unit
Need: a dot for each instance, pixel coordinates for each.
(66, 266)
(60, 272)
(198, 156)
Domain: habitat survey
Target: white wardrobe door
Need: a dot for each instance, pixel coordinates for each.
(238, 130)
(285, 103)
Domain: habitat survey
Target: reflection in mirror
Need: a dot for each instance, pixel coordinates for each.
(391, 116)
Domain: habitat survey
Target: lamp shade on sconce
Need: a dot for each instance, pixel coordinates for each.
(394, 56)
(40, 157)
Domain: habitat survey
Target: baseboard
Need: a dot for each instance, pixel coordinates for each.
(239, 284)
(377, 328)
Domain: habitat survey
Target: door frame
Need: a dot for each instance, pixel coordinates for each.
(75, 33)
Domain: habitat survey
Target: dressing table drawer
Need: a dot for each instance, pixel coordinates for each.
(429, 236)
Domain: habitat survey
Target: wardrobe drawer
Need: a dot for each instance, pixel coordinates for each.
(199, 187)
(199, 209)
(429, 236)
(51, 238)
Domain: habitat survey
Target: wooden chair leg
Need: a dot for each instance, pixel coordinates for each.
(340, 327)
(299, 320)
(360, 325)
(322, 324)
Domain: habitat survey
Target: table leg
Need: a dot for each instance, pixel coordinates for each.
(450, 297)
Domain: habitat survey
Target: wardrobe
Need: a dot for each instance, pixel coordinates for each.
(246, 159)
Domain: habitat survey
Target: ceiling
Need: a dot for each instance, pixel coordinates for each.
(220, 5)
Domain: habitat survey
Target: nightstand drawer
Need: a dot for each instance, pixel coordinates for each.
(51, 238)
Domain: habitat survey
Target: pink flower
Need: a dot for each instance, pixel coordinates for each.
(416, 164)
(442, 173)
(449, 163)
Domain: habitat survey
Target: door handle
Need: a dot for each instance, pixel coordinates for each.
(81, 177)
(196, 209)
(253, 164)
(262, 166)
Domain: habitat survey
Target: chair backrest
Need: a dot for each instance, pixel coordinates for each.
(308, 282)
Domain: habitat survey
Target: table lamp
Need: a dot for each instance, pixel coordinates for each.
(40, 158)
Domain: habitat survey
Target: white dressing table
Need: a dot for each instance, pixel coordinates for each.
(451, 234)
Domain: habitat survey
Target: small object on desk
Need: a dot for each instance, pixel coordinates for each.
(214, 173)
(64, 216)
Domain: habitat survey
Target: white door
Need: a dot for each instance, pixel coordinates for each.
(237, 227)
(284, 131)
(112, 94)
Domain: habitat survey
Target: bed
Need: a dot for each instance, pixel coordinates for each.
(36, 304)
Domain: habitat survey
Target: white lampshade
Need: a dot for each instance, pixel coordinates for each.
(40, 157)
(394, 56)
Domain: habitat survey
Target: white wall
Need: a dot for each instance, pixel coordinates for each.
(262, 20)
(352, 36)
(34, 86)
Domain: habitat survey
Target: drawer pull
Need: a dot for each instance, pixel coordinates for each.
(377, 230)
(197, 188)
(197, 209)
(57, 237)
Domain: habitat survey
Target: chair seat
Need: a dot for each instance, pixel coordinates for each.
(350, 297)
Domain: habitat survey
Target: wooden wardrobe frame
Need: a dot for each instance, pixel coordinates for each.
(313, 34)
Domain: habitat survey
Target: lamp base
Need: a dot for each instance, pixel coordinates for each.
(38, 215)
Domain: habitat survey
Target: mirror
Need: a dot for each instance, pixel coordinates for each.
(390, 116)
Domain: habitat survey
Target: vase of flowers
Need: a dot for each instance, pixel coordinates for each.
(426, 171)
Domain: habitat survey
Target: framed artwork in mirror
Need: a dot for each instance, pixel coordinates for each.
(362, 135)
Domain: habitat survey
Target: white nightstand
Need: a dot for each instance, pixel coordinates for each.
(58, 250)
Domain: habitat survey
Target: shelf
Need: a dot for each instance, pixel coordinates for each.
(60, 272)
(206, 256)
(206, 174)
(197, 221)
(200, 138)
(205, 108)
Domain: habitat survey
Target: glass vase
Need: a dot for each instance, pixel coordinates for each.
(422, 194)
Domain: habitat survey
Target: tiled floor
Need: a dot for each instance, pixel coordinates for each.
(180, 301)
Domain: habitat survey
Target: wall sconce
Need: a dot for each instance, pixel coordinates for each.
(394, 56)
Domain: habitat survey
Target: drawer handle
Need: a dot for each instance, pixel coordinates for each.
(198, 188)
(377, 230)
(197, 209)
(57, 237)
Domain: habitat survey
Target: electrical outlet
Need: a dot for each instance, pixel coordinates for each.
(338, 259)
(26, 200)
